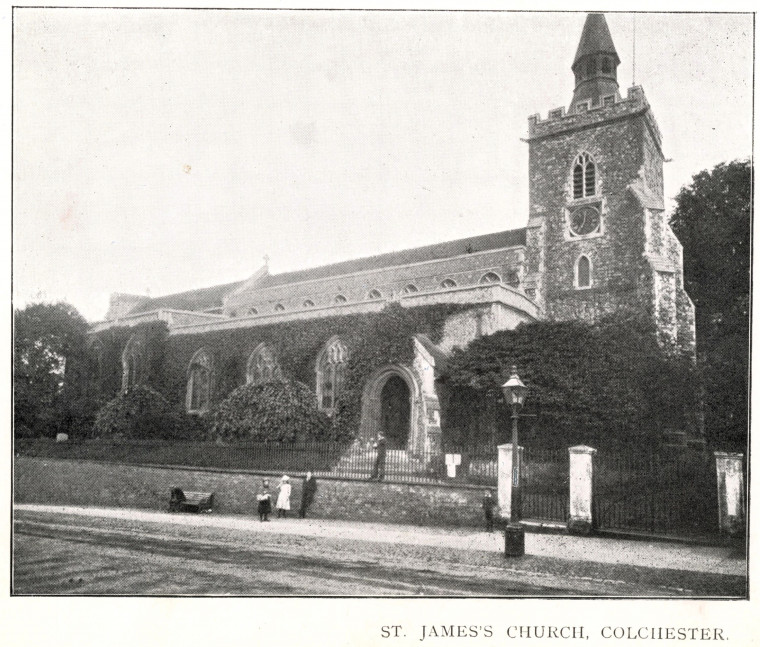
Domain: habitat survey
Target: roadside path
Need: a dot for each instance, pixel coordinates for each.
(598, 550)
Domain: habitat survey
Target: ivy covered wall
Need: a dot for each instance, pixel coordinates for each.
(373, 340)
(605, 385)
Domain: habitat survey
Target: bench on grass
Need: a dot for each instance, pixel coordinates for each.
(186, 501)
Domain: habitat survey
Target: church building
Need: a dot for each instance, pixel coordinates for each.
(597, 242)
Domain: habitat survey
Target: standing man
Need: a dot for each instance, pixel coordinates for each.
(308, 490)
(378, 471)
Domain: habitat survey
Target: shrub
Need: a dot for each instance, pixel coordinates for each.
(140, 413)
(278, 411)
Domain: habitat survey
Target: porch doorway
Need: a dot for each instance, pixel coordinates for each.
(395, 407)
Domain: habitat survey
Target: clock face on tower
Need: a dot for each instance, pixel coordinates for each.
(584, 220)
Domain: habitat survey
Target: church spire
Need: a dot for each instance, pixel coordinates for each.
(595, 64)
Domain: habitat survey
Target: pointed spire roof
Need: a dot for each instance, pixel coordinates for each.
(596, 39)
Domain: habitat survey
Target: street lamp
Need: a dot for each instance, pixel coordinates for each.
(514, 394)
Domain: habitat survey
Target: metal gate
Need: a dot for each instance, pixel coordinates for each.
(544, 481)
(669, 494)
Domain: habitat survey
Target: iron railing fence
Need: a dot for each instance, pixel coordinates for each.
(671, 493)
(545, 488)
(355, 460)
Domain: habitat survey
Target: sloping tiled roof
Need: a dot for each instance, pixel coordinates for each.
(595, 39)
(486, 242)
(203, 299)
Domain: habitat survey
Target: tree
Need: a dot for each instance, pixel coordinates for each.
(49, 351)
(712, 221)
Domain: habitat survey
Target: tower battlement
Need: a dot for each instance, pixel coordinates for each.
(586, 114)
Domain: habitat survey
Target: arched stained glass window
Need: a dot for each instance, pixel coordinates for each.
(584, 176)
(198, 397)
(262, 366)
(583, 272)
(132, 363)
(331, 373)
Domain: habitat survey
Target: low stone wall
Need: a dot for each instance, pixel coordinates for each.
(91, 483)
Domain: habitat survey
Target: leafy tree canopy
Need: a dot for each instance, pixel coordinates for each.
(49, 342)
(712, 221)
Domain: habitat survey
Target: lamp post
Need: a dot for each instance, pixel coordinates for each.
(514, 394)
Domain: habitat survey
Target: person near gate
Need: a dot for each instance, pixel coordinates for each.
(489, 504)
(308, 490)
(378, 471)
(283, 498)
(264, 502)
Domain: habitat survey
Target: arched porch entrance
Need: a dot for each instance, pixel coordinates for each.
(396, 407)
(391, 405)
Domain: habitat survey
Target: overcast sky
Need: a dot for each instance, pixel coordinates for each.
(157, 151)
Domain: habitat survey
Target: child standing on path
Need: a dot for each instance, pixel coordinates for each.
(264, 499)
(283, 498)
(488, 506)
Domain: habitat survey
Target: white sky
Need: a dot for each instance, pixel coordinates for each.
(167, 150)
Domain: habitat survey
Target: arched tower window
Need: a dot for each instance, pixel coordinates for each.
(198, 397)
(490, 277)
(583, 272)
(331, 373)
(132, 363)
(262, 366)
(584, 176)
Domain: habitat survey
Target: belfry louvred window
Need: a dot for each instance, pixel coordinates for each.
(584, 176)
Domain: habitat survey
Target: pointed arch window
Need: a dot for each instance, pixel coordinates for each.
(490, 277)
(331, 374)
(132, 363)
(583, 272)
(584, 176)
(262, 366)
(198, 396)
(448, 283)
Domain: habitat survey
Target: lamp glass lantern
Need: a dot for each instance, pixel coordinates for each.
(514, 390)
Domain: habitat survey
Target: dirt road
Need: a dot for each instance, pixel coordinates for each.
(62, 554)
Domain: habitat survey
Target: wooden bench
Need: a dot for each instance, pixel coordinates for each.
(186, 501)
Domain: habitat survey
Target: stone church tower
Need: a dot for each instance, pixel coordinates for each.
(598, 241)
